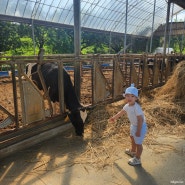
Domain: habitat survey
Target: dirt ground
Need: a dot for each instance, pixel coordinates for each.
(99, 157)
(69, 160)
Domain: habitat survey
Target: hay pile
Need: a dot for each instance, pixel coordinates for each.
(167, 106)
(103, 139)
(164, 109)
(174, 89)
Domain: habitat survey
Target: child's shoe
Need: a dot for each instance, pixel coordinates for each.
(130, 153)
(134, 161)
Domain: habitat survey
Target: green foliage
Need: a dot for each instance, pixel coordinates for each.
(26, 46)
(40, 36)
(93, 43)
(155, 43)
(24, 30)
(92, 50)
(17, 39)
(60, 41)
(9, 37)
(116, 44)
(178, 43)
(139, 45)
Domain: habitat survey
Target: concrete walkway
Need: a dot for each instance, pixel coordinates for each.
(53, 163)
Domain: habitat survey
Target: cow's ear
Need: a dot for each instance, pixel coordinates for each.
(83, 115)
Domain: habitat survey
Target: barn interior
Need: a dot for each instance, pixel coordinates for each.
(23, 125)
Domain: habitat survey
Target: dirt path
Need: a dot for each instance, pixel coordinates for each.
(59, 161)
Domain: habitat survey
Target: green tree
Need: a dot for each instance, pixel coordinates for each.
(117, 43)
(139, 45)
(25, 30)
(41, 34)
(178, 43)
(9, 37)
(61, 40)
(97, 42)
(26, 46)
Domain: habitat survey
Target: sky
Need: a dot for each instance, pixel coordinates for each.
(180, 16)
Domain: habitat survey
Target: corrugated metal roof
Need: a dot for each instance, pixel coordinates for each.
(104, 15)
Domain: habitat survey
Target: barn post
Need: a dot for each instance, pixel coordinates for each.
(77, 45)
(60, 85)
(33, 35)
(15, 94)
(166, 27)
(169, 39)
(125, 35)
(151, 39)
(110, 41)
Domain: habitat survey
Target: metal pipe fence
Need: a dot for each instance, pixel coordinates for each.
(103, 79)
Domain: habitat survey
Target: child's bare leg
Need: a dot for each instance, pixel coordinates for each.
(133, 149)
(139, 149)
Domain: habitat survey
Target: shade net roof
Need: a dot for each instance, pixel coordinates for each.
(104, 15)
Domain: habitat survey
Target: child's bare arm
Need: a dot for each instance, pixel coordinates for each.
(115, 117)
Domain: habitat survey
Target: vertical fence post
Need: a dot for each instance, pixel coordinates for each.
(15, 95)
(77, 45)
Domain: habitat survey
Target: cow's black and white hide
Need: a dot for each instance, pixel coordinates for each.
(77, 113)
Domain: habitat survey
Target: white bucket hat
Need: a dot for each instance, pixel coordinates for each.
(131, 90)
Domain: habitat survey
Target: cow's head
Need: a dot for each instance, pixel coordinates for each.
(78, 118)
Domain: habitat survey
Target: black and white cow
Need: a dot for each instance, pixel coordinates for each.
(77, 113)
